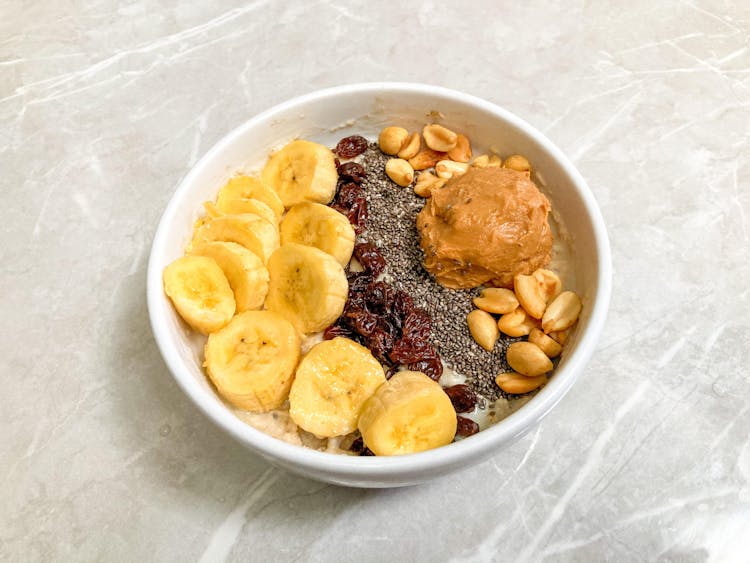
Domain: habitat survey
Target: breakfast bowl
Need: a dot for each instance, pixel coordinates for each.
(365, 109)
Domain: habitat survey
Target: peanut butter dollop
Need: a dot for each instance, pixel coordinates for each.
(484, 227)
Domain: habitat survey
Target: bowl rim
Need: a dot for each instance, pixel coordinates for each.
(504, 432)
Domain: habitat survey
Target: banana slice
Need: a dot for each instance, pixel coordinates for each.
(251, 361)
(200, 292)
(315, 224)
(410, 413)
(247, 187)
(249, 230)
(249, 205)
(332, 383)
(307, 286)
(302, 171)
(247, 275)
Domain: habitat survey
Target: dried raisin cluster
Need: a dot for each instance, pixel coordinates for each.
(349, 200)
(385, 320)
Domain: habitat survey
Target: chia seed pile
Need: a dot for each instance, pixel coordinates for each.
(392, 227)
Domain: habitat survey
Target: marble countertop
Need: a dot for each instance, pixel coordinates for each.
(105, 105)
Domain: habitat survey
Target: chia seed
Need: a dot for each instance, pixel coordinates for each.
(392, 227)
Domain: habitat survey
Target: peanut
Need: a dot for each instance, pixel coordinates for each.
(517, 384)
(481, 161)
(426, 159)
(528, 359)
(410, 148)
(439, 138)
(551, 348)
(462, 151)
(517, 323)
(399, 171)
(562, 312)
(560, 336)
(448, 169)
(530, 294)
(496, 300)
(517, 162)
(495, 162)
(483, 328)
(391, 139)
(426, 182)
(550, 282)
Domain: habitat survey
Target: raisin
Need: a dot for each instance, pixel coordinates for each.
(462, 396)
(466, 427)
(351, 146)
(370, 257)
(403, 304)
(358, 282)
(367, 451)
(393, 322)
(380, 344)
(337, 330)
(363, 322)
(337, 162)
(380, 296)
(347, 194)
(352, 172)
(357, 214)
(407, 351)
(432, 368)
(358, 446)
(417, 325)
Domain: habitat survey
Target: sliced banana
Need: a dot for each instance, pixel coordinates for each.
(247, 275)
(249, 187)
(249, 205)
(409, 413)
(307, 286)
(251, 360)
(315, 224)
(247, 229)
(302, 171)
(332, 383)
(200, 292)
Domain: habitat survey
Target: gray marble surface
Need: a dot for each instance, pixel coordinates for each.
(104, 106)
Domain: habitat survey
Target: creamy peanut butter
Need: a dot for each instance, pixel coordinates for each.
(484, 227)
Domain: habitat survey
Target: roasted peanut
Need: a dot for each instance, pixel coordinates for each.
(462, 151)
(562, 312)
(495, 162)
(498, 300)
(391, 139)
(560, 336)
(517, 162)
(411, 146)
(517, 323)
(426, 182)
(439, 138)
(481, 161)
(528, 359)
(551, 348)
(483, 328)
(426, 159)
(530, 294)
(517, 384)
(448, 169)
(550, 281)
(399, 171)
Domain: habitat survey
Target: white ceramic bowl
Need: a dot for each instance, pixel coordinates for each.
(326, 116)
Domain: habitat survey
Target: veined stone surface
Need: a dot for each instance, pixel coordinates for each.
(104, 106)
